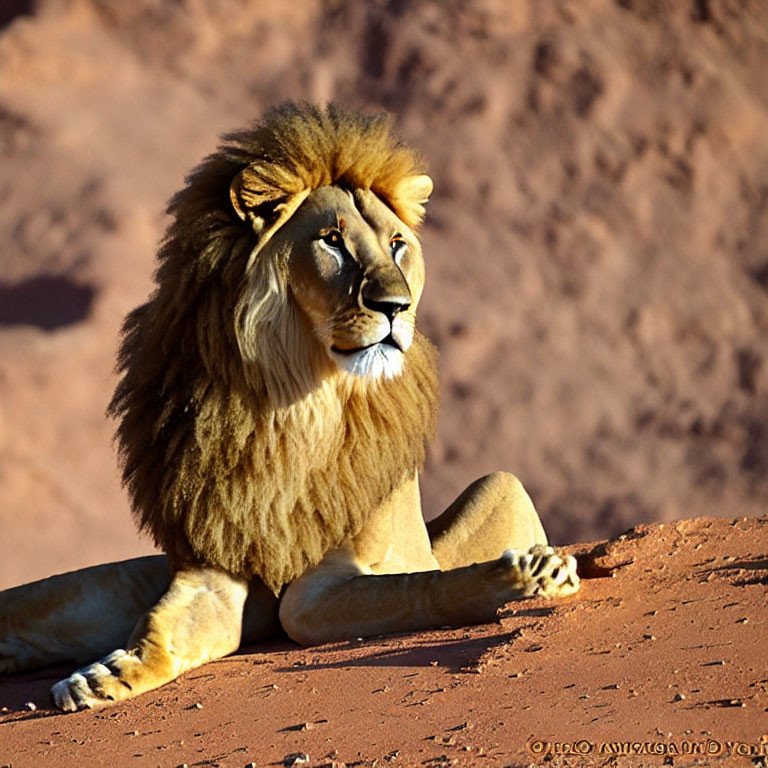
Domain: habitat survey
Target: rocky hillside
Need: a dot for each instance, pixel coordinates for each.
(597, 245)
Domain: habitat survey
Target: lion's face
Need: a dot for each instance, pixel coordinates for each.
(356, 272)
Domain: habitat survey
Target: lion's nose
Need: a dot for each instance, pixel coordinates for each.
(387, 297)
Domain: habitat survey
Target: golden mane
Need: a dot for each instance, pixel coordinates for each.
(238, 446)
(299, 148)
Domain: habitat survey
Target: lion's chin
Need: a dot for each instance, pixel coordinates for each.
(379, 361)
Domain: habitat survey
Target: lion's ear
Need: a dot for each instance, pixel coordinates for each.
(411, 195)
(266, 205)
(416, 188)
(252, 197)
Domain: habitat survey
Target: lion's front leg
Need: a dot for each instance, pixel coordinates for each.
(198, 619)
(327, 604)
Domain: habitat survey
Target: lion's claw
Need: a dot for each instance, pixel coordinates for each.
(94, 685)
(541, 571)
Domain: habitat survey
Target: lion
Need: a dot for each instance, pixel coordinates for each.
(275, 404)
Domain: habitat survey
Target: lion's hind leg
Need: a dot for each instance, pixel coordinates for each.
(79, 615)
(492, 515)
(495, 515)
(198, 619)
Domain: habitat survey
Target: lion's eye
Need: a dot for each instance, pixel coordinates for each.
(397, 245)
(333, 243)
(333, 239)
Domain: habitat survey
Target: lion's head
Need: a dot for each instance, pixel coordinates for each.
(355, 272)
(274, 387)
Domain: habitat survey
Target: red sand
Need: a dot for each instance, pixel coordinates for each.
(664, 646)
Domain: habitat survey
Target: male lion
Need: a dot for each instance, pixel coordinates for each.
(275, 404)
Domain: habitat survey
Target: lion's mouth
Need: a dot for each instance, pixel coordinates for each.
(382, 359)
(389, 340)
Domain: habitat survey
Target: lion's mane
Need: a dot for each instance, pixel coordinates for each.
(239, 447)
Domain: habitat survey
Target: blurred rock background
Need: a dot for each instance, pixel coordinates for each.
(597, 245)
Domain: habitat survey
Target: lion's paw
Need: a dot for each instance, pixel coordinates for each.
(97, 684)
(541, 571)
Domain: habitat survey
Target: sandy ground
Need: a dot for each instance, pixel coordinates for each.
(661, 652)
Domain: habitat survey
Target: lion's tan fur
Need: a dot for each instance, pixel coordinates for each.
(241, 446)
